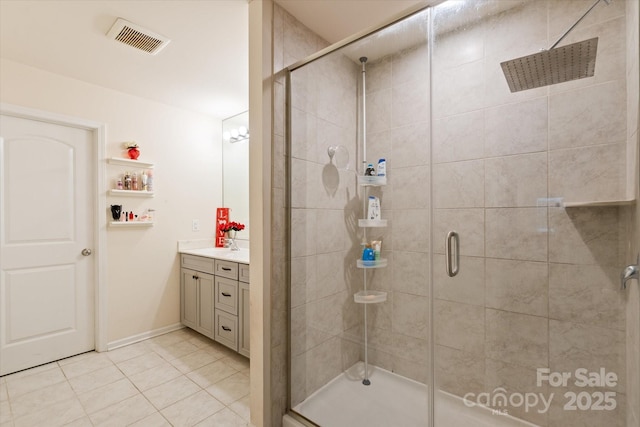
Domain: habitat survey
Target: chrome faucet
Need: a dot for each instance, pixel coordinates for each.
(630, 272)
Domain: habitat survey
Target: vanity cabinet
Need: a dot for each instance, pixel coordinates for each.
(214, 300)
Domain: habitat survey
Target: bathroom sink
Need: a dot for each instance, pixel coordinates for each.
(241, 255)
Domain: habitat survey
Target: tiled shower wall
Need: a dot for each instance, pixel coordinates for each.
(325, 206)
(539, 283)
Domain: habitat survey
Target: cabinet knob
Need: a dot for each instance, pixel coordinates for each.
(224, 294)
(226, 328)
(194, 277)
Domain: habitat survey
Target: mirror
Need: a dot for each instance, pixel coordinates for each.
(235, 169)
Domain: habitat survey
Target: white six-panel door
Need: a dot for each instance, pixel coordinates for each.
(46, 222)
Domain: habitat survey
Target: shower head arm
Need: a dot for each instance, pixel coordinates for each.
(577, 22)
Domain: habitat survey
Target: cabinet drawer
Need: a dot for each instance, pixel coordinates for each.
(243, 273)
(226, 295)
(198, 263)
(227, 329)
(227, 269)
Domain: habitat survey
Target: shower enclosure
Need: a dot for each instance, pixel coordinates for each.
(496, 299)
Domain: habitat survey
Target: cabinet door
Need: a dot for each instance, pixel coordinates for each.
(206, 294)
(243, 318)
(189, 297)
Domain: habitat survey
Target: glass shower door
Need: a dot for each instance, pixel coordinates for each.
(359, 331)
(528, 320)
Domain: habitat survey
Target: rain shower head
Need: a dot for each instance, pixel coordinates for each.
(562, 64)
(556, 65)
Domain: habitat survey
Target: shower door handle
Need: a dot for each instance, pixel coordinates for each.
(452, 256)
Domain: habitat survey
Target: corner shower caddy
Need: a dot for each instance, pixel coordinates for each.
(367, 296)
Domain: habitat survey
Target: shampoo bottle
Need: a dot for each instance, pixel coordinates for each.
(373, 211)
(382, 167)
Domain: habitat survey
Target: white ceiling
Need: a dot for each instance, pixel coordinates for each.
(334, 20)
(205, 66)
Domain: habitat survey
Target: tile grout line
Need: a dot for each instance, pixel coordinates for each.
(162, 351)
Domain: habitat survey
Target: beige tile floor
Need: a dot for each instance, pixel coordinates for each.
(178, 379)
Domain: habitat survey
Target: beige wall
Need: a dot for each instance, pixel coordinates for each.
(142, 264)
(260, 179)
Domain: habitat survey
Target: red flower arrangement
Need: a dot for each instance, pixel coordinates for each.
(236, 226)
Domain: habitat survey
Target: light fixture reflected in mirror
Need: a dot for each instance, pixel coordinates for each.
(235, 170)
(236, 135)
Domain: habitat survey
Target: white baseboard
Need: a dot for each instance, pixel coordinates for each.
(143, 336)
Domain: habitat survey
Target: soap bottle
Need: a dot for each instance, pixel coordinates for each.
(127, 181)
(373, 211)
(368, 254)
(370, 171)
(150, 180)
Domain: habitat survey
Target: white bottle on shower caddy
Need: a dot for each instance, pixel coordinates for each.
(373, 211)
(382, 167)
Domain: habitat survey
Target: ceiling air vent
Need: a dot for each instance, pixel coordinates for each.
(138, 37)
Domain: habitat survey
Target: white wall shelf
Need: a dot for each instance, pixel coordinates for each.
(370, 297)
(131, 193)
(130, 163)
(126, 224)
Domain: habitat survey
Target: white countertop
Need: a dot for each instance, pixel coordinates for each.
(241, 256)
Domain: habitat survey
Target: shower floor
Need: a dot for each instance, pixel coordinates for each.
(391, 400)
